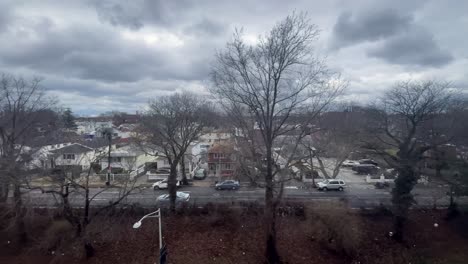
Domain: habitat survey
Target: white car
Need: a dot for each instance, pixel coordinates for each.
(349, 163)
(331, 185)
(181, 197)
(162, 184)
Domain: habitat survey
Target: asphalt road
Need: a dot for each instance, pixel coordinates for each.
(355, 195)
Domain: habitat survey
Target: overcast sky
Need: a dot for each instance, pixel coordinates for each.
(102, 55)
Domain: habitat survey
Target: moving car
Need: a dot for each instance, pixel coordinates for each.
(366, 169)
(349, 163)
(368, 161)
(228, 185)
(181, 197)
(162, 184)
(331, 185)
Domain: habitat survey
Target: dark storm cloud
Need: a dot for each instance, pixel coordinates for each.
(370, 26)
(416, 47)
(116, 54)
(135, 14)
(126, 14)
(98, 55)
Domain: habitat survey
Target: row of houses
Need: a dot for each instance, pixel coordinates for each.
(210, 152)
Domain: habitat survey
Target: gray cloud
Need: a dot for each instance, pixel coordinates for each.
(370, 26)
(135, 14)
(206, 27)
(127, 14)
(5, 15)
(416, 47)
(98, 55)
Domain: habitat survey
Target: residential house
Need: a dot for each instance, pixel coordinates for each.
(222, 161)
(69, 157)
(130, 158)
(216, 136)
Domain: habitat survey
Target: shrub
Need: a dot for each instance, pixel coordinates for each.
(337, 230)
(58, 234)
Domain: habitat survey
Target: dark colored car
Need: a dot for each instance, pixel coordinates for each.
(366, 169)
(227, 185)
(368, 161)
(381, 185)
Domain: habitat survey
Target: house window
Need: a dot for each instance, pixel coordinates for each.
(69, 156)
(227, 166)
(212, 167)
(117, 159)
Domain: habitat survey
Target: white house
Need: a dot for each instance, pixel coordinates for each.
(128, 158)
(64, 154)
(215, 136)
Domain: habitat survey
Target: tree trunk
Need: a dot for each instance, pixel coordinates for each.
(69, 215)
(4, 189)
(438, 171)
(402, 198)
(171, 184)
(184, 175)
(86, 209)
(271, 252)
(19, 214)
(312, 171)
(322, 167)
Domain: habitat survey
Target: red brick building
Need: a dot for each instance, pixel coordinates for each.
(222, 161)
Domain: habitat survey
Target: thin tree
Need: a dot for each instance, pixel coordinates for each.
(170, 125)
(399, 133)
(266, 85)
(22, 103)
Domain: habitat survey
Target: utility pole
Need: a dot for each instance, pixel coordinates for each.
(108, 134)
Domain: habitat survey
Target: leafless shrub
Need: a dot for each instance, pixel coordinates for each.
(336, 229)
(57, 235)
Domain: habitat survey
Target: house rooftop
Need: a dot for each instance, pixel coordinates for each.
(218, 148)
(74, 148)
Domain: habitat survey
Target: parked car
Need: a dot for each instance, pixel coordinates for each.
(163, 170)
(331, 185)
(381, 185)
(368, 161)
(163, 184)
(181, 197)
(228, 185)
(349, 163)
(199, 174)
(366, 169)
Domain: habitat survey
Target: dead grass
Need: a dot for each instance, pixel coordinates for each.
(325, 233)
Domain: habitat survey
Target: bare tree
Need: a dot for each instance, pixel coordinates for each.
(171, 124)
(277, 86)
(63, 185)
(22, 103)
(400, 123)
(336, 137)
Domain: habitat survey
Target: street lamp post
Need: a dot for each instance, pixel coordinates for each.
(162, 249)
(157, 214)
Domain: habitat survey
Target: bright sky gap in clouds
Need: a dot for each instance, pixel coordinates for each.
(102, 55)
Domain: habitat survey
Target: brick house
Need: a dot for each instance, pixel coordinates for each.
(222, 161)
